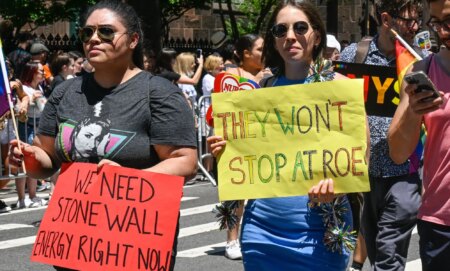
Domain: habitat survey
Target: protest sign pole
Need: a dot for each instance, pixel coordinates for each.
(8, 95)
(406, 45)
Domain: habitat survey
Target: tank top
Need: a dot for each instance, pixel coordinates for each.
(435, 206)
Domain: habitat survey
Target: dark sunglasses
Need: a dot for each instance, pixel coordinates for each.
(105, 33)
(410, 22)
(438, 25)
(280, 30)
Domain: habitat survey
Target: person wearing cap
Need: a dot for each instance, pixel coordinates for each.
(218, 40)
(333, 50)
(40, 53)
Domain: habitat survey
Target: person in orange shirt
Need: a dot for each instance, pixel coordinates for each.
(40, 53)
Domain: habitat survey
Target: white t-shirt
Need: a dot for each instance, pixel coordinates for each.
(207, 87)
(190, 91)
(33, 111)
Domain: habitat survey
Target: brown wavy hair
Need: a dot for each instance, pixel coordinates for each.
(270, 55)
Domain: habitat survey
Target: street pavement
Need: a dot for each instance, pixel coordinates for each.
(200, 245)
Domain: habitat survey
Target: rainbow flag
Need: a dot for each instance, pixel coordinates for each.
(404, 59)
(4, 85)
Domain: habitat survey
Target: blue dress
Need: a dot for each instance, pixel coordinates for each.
(284, 234)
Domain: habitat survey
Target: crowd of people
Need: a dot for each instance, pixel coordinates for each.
(102, 89)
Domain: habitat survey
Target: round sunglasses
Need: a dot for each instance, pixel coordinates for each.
(105, 33)
(280, 30)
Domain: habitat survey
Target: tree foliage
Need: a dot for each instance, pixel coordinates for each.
(252, 15)
(35, 13)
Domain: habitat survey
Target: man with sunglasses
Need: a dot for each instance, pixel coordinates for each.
(416, 108)
(390, 208)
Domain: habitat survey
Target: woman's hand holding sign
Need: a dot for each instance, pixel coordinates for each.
(216, 144)
(323, 192)
(107, 162)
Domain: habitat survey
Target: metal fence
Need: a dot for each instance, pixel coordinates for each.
(55, 42)
(203, 131)
(183, 45)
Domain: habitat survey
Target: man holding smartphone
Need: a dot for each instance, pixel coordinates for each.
(390, 208)
(415, 108)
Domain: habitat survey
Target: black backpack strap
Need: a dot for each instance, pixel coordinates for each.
(362, 49)
(267, 82)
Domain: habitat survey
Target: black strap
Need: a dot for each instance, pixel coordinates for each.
(267, 82)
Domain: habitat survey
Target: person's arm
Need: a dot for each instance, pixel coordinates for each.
(40, 158)
(198, 73)
(24, 99)
(175, 160)
(404, 131)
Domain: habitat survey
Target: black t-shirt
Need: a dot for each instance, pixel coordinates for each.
(58, 79)
(120, 123)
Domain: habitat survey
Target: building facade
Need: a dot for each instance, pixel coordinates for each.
(343, 18)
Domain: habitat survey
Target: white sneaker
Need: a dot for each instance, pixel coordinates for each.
(37, 202)
(353, 269)
(233, 250)
(44, 186)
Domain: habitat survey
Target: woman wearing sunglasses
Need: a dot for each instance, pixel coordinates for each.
(149, 113)
(288, 233)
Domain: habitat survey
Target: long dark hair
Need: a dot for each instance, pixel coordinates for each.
(129, 18)
(245, 42)
(164, 60)
(270, 55)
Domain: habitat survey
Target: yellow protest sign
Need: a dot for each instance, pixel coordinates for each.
(283, 140)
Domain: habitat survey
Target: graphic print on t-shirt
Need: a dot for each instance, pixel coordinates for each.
(92, 138)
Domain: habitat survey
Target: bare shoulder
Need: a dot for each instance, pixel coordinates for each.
(339, 76)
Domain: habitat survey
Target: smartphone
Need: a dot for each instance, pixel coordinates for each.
(423, 83)
(199, 53)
